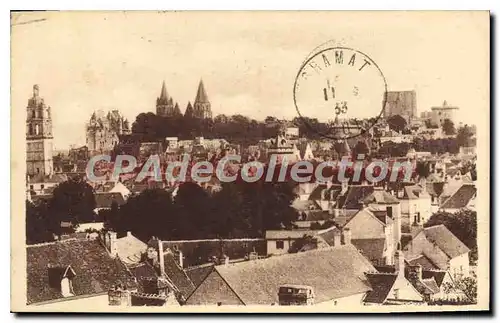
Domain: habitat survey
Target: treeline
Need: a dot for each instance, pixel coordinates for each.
(236, 211)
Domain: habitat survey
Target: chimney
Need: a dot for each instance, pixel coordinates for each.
(337, 235)
(336, 212)
(399, 261)
(347, 236)
(181, 259)
(418, 271)
(161, 257)
(226, 260)
(129, 234)
(111, 243)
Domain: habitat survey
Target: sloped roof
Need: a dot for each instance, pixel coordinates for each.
(105, 200)
(332, 273)
(370, 248)
(445, 240)
(354, 196)
(95, 270)
(288, 234)
(437, 275)
(199, 273)
(423, 261)
(380, 197)
(381, 284)
(328, 235)
(130, 248)
(177, 275)
(460, 198)
(431, 284)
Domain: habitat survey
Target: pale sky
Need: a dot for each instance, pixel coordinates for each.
(248, 61)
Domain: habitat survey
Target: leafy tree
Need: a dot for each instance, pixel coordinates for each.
(397, 123)
(39, 225)
(468, 285)
(463, 224)
(465, 137)
(448, 127)
(73, 201)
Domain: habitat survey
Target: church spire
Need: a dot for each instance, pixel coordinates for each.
(164, 94)
(201, 95)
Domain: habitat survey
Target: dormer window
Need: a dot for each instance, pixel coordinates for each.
(61, 278)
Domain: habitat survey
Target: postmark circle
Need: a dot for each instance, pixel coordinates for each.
(343, 90)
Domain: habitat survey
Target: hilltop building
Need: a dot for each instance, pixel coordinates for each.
(102, 130)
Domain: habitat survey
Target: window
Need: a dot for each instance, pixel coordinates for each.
(280, 244)
(31, 187)
(42, 186)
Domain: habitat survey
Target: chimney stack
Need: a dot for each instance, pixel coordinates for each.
(181, 259)
(347, 236)
(399, 261)
(111, 243)
(418, 271)
(161, 257)
(337, 235)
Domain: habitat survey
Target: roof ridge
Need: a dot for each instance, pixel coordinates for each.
(41, 244)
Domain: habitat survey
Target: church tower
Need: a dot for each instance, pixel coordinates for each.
(202, 108)
(164, 103)
(38, 136)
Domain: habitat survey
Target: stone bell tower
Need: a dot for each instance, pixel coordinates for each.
(38, 136)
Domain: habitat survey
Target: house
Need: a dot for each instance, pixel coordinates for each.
(40, 184)
(462, 198)
(376, 227)
(392, 288)
(73, 270)
(415, 202)
(279, 241)
(104, 201)
(436, 248)
(334, 276)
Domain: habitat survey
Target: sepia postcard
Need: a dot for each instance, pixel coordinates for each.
(239, 161)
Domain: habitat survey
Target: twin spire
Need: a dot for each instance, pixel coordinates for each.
(200, 108)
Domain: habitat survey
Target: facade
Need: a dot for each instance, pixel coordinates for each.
(403, 103)
(439, 114)
(39, 136)
(102, 131)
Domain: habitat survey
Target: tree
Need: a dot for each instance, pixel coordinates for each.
(73, 201)
(39, 225)
(465, 137)
(463, 224)
(468, 285)
(149, 214)
(448, 127)
(397, 123)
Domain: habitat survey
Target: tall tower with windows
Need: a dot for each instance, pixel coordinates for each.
(38, 136)
(202, 108)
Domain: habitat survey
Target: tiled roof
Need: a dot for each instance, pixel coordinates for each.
(105, 200)
(461, 198)
(438, 275)
(177, 275)
(307, 205)
(328, 235)
(199, 273)
(130, 248)
(431, 284)
(380, 197)
(423, 261)
(332, 273)
(39, 198)
(445, 240)
(412, 192)
(288, 234)
(40, 178)
(96, 271)
(354, 196)
(381, 284)
(143, 271)
(372, 249)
